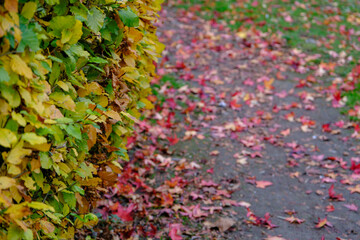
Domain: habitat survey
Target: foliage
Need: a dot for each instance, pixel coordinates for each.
(73, 76)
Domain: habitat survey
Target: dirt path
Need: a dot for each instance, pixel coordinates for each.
(257, 116)
(243, 143)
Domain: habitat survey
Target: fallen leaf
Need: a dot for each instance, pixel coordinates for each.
(263, 184)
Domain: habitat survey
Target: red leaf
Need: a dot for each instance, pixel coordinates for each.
(175, 231)
(334, 196)
(123, 212)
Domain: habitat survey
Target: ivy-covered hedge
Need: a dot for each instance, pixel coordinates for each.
(73, 76)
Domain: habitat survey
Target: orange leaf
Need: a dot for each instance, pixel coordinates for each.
(11, 5)
(263, 184)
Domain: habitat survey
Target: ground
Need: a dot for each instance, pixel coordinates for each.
(246, 141)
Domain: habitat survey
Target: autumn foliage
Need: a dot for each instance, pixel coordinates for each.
(73, 76)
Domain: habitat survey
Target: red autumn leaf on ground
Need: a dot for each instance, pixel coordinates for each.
(334, 196)
(330, 208)
(258, 221)
(234, 104)
(173, 140)
(263, 184)
(166, 200)
(123, 213)
(355, 167)
(175, 231)
(326, 127)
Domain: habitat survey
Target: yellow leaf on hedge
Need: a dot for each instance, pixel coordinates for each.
(29, 182)
(134, 35)
(102, 101)
(44, 147)
(77, 32)
(7, 137)
(17, 154)
(63, 85)
(63, 100)
(93, 182)
(6, 182)
(112, 114)
(33, 139)
(148, 104)
(47, 227)
(129, 60)
(13, 170)
(41, 206)
(15, 194)
(19, 118)
(19, 66)
(95, 88)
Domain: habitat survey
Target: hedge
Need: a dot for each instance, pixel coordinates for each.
(73, 77)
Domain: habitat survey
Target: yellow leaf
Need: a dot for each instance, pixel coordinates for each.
(90, 182)
(6, 182)
(28, 10)
(44, 147)
(129, 60)
(47, 227)
(17, 154)
(29, 182)
(77, 33)
(94, 88)
(7, 137)
(41, 206)
(148, 104)
(20, 67)
(112, 114)
(15, 194)
(128, 115)
(102, 101)
(63, 86)
(63, 100)
(33, 139)
(14, 170)
(19, 118)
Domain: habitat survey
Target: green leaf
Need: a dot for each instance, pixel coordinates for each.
(45, 160)
(52, 2)
(61, 22)
(69, 198)
(28, 10)
(95, 20)
(14, 232)
(28, 235)
(11, 95)
(97, 60)
(74, 131)
(4, 75)
(128, 17)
